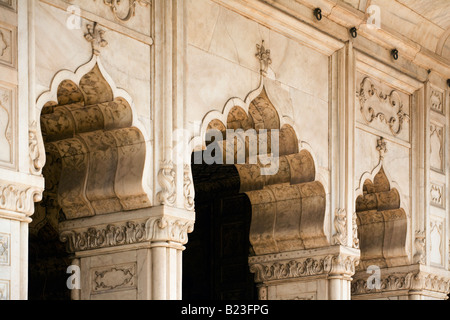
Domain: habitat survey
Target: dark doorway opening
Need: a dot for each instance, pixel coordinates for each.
(215, 262)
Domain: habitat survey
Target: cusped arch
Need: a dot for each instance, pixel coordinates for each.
(91, 125)
(288, 205)
(382, 221)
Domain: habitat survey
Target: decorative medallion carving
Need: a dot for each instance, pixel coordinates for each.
(386, 108)
(263, 56)
(436, 148)
(114, 278)
(419, 243)
(5, 240)
(189, 190)
(437, 195)
(95, 36)
(340, 224)
(166, 179)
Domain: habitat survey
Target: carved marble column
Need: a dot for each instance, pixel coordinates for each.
(132, 255)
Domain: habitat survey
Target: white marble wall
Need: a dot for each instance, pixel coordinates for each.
(126, 59)
(222, 65)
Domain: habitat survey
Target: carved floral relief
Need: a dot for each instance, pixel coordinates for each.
(383, 110)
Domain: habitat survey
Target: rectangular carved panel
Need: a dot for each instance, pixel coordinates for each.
(7, 125)
(437, 241)
(10, 4)
(4, 290)
(8, 51)
(437, 195)
(437, 143)
(5, 241)
(114, 278)
(437, 100)
(382, 107)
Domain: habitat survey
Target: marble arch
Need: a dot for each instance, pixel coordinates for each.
(382, 221)
(91, 125)
(288, 208)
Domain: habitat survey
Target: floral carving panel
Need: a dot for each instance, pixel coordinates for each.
(383, 108)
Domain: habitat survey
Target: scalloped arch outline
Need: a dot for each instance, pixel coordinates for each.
(51, 95)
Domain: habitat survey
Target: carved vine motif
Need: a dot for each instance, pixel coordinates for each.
(372, 101)
(109, 236)
(419, 243)
(166, 179)
(355, 231)
(278, 270)
(115, 4)
(33, 148)
(131, 232)
(95, 35)
(340, 223)
(189, 191)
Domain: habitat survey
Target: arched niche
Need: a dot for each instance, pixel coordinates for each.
(382, 222)
(288, 206)
(89, 128)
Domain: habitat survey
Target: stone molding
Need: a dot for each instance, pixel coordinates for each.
(420, 279)
(298, 264)
(159, 228)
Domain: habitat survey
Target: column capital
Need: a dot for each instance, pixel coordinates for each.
(17, 200)
(324, 262)
(124, 229)
(406, 280)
